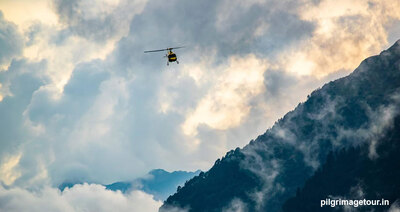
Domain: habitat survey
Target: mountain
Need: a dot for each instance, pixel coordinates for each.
(157, 182)
(353, 111)
(351, 174)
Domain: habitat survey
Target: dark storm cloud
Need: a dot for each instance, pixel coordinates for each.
(277, 81)
(70, 13)
(98, 21)
(11, 42)
(229, 27)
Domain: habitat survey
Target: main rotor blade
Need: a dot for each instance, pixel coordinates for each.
(176, 47)
(167, 49)
(159, 50)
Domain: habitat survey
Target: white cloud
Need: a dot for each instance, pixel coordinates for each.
(346, 33)
(234, 88)
(86, 197)
(7, 172)
(395, 207)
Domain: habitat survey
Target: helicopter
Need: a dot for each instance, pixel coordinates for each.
(170, 55)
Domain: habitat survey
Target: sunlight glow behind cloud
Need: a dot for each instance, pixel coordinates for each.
(7, 172)
(227, 103)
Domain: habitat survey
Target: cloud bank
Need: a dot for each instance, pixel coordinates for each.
(86, 197)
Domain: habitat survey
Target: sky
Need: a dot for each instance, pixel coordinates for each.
(80, 101)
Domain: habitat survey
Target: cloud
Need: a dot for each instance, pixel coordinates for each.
(85, 197)
(24, 12)
(11, 43)
(395, 207)
(229, 96)
(266, 172)
(99, 20)
(174, 209)
(18, 84)
(62, 51)
(236, 205)
(345, 31)
(7, 173)
(383, 120)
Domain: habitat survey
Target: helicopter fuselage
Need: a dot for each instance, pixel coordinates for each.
(171, 56)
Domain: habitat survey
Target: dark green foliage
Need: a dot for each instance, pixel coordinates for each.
(352, 168)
